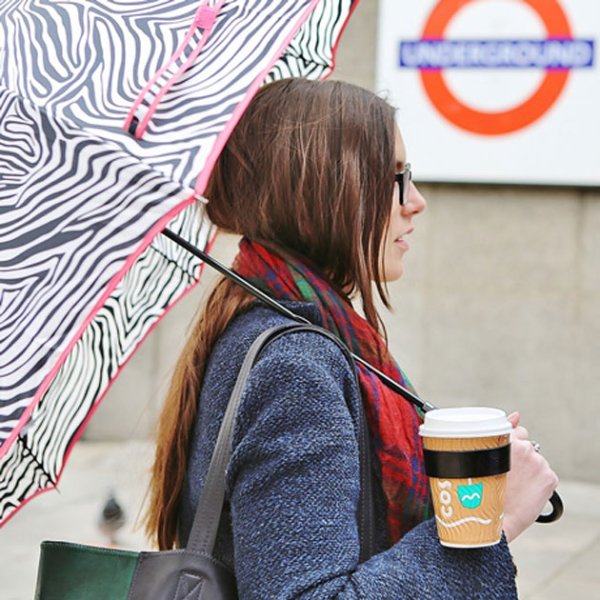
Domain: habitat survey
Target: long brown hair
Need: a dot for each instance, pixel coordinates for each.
(309, 168)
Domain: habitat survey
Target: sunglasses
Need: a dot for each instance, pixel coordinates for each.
(403, 179)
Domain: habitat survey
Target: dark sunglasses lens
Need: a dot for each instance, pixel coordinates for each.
(406, 179)
(403, 180)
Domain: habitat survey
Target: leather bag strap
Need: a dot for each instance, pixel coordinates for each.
(208, 512)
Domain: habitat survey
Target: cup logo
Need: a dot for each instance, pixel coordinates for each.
(470, 495)
(445, 499)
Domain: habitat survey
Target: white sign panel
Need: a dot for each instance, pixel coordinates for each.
(501, 91)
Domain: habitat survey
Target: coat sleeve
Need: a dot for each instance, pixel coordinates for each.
(293, 485)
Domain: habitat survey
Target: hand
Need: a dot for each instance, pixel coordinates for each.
(529, 483)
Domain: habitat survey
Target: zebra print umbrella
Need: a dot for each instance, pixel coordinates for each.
(112, 114)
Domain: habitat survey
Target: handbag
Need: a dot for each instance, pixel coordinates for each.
(69, 571)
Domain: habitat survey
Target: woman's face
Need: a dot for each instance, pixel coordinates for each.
(400, 225)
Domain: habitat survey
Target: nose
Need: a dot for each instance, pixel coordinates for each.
(415, 202)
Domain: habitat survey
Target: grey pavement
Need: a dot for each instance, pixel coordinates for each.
(555, 561)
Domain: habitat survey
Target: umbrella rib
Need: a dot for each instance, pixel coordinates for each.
(174, 263)
(388, 381)
(37, 462)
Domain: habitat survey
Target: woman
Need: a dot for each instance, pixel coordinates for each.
(315, 178)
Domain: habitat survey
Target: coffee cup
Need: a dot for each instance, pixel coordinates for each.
(467, 457)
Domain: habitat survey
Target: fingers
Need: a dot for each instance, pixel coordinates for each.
(536, 467)
(529, 484)
(524, 447)
(550, 478)
(519, 433)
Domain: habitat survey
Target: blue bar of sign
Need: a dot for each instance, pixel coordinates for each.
(494, 54)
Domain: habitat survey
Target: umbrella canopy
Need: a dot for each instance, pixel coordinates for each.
(111, 117)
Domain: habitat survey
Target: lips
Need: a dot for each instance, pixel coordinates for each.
(400, 238)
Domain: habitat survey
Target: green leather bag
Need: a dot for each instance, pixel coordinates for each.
(69, 571)
(76, 571)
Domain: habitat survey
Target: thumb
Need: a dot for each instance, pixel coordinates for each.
(514, 419)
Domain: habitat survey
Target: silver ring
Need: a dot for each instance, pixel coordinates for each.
(535, 445)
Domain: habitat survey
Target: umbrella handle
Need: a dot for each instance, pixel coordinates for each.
(557, 510)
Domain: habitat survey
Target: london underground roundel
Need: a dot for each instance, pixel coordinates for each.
(556, 54)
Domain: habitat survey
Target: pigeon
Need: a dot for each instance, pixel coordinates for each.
(111, 519)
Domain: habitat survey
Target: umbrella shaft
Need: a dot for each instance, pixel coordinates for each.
(215, 264)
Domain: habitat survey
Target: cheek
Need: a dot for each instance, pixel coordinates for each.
(396, 219)
(393, 267)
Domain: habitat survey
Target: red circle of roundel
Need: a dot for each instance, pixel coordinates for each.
(498, 122)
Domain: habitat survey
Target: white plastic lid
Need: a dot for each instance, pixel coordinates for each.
(465, 422)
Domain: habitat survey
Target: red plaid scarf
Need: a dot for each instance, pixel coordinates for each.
(393, 422)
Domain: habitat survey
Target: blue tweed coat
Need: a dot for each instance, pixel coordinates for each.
(289, 529)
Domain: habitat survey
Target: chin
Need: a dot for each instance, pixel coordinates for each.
(394, 273)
